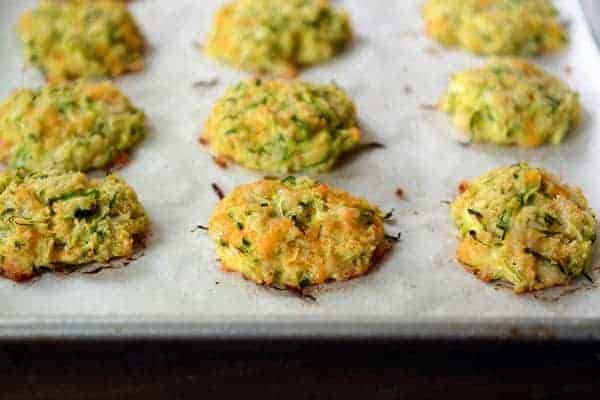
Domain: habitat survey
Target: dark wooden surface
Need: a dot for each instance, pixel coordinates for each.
(277, 370)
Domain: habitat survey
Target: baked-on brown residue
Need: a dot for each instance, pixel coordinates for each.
(221, 162)
(218, 191)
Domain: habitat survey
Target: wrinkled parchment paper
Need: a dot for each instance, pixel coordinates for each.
(394, 73)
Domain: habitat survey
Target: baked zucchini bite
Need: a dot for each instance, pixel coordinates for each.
(296, 232)
(511, 101)
(282, 126)
(60, 221)
(500, 27)
(84, 38)
(72, 126)
(277, 37)
(523, 226)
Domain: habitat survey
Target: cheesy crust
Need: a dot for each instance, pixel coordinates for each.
(511, 101)
(57, 221)
(496, 27)
(283, 126)
(71, 127)
(521, 225)
(277, 37)
(81, 39)
(296, 232)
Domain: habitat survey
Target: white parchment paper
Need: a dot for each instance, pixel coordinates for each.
(392, 71)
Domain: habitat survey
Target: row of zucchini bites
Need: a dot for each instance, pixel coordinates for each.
(518, 224)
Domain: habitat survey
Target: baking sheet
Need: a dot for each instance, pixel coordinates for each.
(394, 72)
